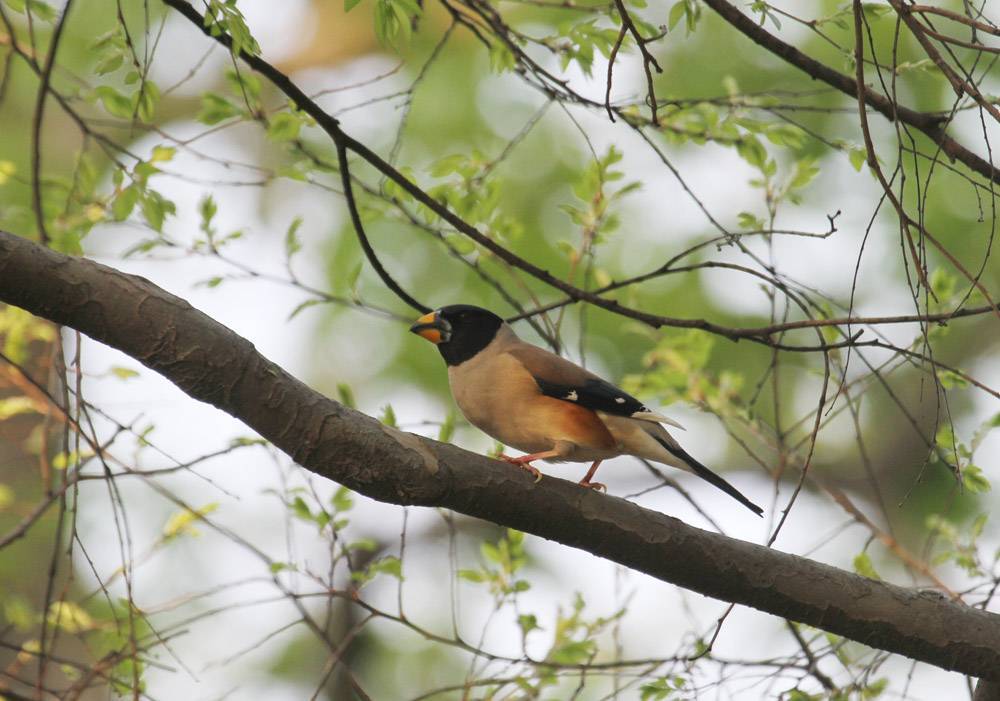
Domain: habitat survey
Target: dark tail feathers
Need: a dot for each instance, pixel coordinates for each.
(709, 476)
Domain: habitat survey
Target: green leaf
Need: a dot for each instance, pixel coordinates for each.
(246, 441)
(863, 566)
(301, 509)
(143, 171)
(124, 202)
(110, 63)
(805, 171)
(212, 282)
(874, 689)
(147, 98)
(284, 126)
(162, 154)
(346, 395)
(39, 10)
(216, 108)
(978, 525)
(388, 416)
(351, 4)
(207, 210)
(156, 208)
(292, 243)
(223, 17)
(677, 13)
(123, 373)
(109, 39)
(447, 429)
(574, 652)
(786, 135)
(447, 165)
(797, 695)
(70, 617)
(950, 379)
(943, 284)
(501, 58)
(491, 553)
(752, 151)
(390, 565)
(750, 222)
(341, 499)
(472, 575)
(858, 157)
(659, 689)
(114, 102)
(244, 84)
(183, 522)
(527, 622)
(974, 480)
(302, 306)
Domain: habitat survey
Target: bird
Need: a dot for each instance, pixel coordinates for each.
(547, 406)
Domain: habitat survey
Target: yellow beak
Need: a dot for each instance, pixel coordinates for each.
(432, 327)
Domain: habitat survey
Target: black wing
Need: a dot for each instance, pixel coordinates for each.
(594, 394)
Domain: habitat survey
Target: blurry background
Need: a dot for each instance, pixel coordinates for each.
(218, 192)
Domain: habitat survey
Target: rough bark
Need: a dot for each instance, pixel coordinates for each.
(986, 691)
(212, 364)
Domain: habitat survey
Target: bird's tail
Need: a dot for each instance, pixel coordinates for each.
(707, 474)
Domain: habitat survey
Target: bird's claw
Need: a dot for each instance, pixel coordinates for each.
(524, 465)
(596, 486)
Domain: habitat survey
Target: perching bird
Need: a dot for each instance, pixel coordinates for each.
(544, 405)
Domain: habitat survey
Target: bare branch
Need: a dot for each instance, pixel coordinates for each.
(929, 124)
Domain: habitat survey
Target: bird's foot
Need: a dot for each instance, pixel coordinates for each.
(596, 486)
(524, 462)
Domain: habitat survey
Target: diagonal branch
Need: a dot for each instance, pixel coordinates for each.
(212, 364)
(342, 140)
(929, 124)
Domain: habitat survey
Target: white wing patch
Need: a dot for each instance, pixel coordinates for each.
(619, 400)
(646, 415)
(572, 396)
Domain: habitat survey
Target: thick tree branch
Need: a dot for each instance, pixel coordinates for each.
(211, 363)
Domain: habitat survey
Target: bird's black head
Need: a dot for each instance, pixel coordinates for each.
(459, 330)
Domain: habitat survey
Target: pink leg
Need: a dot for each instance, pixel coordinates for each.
(585, 482)
(524, 462)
